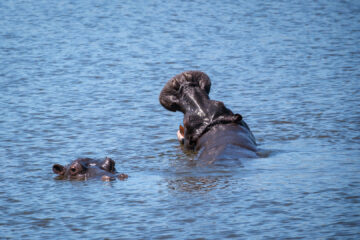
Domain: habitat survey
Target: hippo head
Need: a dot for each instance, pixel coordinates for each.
(85, 168)
(183, 91)
(188, 92)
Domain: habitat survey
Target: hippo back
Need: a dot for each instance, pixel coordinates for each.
(226, 141)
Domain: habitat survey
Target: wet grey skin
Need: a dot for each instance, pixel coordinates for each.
(209, 127)
(87, 168)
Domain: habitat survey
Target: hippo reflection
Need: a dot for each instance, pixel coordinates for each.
(209, 127)
(85, 168)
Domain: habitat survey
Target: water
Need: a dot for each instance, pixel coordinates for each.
(82, 78)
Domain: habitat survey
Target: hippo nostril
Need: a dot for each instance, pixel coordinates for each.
(58, 169)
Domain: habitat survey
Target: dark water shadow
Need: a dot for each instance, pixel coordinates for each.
(192, 175)
(200, 184)
(266, 153)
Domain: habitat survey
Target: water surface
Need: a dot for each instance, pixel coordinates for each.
(82, 79)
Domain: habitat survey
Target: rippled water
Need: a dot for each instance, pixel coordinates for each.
(82, 78)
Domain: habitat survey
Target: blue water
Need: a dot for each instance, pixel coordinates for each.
(82, 79)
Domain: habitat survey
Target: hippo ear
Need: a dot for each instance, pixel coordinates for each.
(108, 165)
(58, 169)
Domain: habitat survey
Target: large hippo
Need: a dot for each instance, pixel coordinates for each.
(209, 127)
(85, 168)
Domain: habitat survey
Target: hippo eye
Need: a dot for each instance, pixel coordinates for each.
(73, 169)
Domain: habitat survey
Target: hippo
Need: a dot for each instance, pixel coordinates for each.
(209, 128)
(85, 168)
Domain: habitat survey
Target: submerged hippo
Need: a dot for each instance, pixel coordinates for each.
(85, 168)
(209, 127)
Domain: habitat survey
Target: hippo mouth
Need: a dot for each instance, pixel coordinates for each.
(188, 93)
(180, 134)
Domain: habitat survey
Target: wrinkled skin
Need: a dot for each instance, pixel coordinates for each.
(85, 168)
(209, 127)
